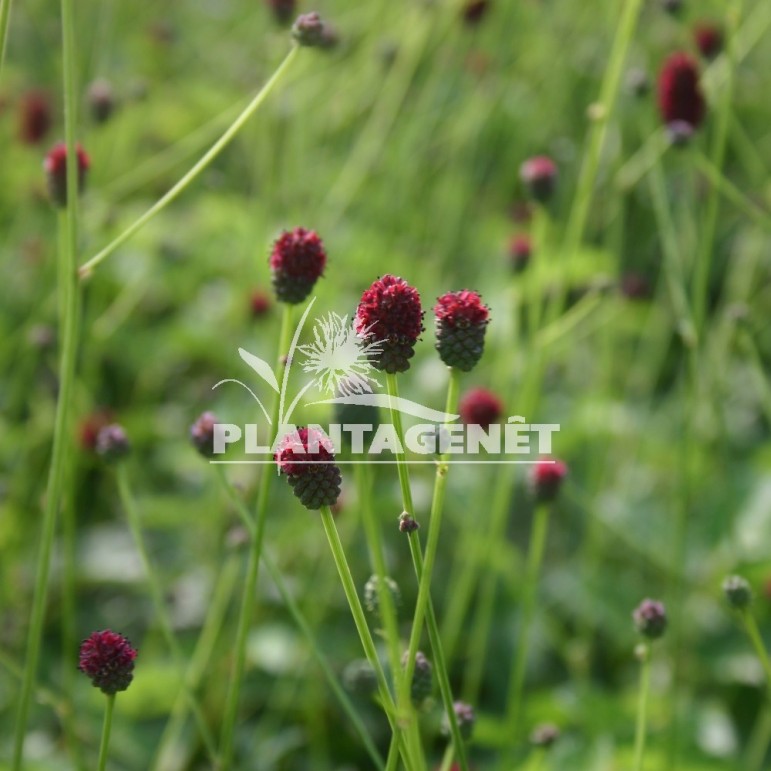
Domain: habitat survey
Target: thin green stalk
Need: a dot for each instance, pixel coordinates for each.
(187, 179)
(159, 605)
(529, 594)
(642, 706)
(447, 758)
(302, 624)
(68, 293)
(440, 665)
(106, 726)
(5, 19)
(252, 569)
(708, 226)
(751, 627)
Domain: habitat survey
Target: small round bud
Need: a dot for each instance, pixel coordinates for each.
(461, 323)
(35, 117)
(112, 443)
(101, 100)
(407, 524)
(308, 30)
(520, 251)
(709, 39)
(422, 678)
(480, 407)
(679, 93)
(737, 592)
(259, 304)
(283, 10)
(650, 619)
(546, 479)
(202, 434)
(539, 175)
(359, 678)
(544, 735)
(474, 11)
(464, 714)
(108, 659)
(372, 593)
(55, 167)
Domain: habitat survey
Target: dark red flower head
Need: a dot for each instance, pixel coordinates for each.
(108, 659)
(475, 10)
(259, 303)
(546, 479)
(709, 39)
(389, 314)
(308, 30)
(34, 117)
(55, 166)
(306, 457)
(297, 261)
(650, 618)
(112, 444)
(101, 100)
(539, 174)
(90, 426)
(461, 321)
(480, 407)
(202, 434)
(283, 10)
(520, 250)
(679, 93)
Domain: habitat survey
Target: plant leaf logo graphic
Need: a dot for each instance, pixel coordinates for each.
(261, 367)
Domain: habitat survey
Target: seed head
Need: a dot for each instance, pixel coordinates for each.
(520, 251)
(464, 714)
(35, 117)
(422, 678)
(709, 39)
(650, 619)
(202, 434)
(546, 478)
(297, 261)
(55, 166)
(308, 30)
(306, 458)
(112, 443)
(544, 735)
(101, 100)
(539, 175)
(480, 407)
(737, 591)
(390, 314)
(108, 659)
(679, 93)
(461, 322)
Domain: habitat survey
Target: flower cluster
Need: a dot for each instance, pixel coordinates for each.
(297, 261)
(306, 459)
(461, 322)
(107, 658)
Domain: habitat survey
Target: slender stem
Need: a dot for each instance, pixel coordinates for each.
(68, 293)
(106, 726)
(529, 594)
(159, 605)
(642, 706)
(447, 758)
(751, 627)
(440, 665)
(5, 19)
(252, 569)
(191, 175)
(302, 624)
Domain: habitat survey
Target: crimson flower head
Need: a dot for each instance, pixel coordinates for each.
(461, 321)
(679, 93)
(520, 250)
(202, 434)
(390, 315)
(480, 407)
(539, 174)
(297, 262)
(259, 303)
(307, 459)
(650, 618)
(283, 10)
(108, 659)
(112, 444)
(90, 426)
(709, 39)
(546, 479)
(55, 166)
(475, 10)
(34, 117)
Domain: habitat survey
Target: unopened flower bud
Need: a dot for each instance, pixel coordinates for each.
(650, 619)
(202, 434)
(422, 678)
(112, 443)
(737, 591)
(407, 524)
(464, 714)
(308, 30)
(544, 735)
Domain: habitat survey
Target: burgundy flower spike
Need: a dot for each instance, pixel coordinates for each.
(306, 458)
(480, 407)
(108, 659)
(297, 262)
(546, 479)
(55, 166)
(679, 93)
(389, 314)
(461, 321)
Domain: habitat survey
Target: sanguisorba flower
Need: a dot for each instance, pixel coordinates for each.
(55, 166)
(297, 261)
(539, 175)
(390, 314)
(112, 444)
(679, 93)
(202, 434)
(709, 39)
(520, 251)
(108, 659)
(35, 117)
(306, 458)
(461, 322)
(546, 479)
(480, 407)
(650, 618)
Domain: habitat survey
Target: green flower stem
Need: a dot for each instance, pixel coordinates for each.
(5, 19)
(708, 226)
(302, 624)
(106, 727)
(199, 665)
(440, 665)
(191, 175)
(385, 600)
(159, 605)
(55, 492)
(252, 569)
(642, 706)
(529, 594)
(447, 758)
(751, 627)
(368, 644)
